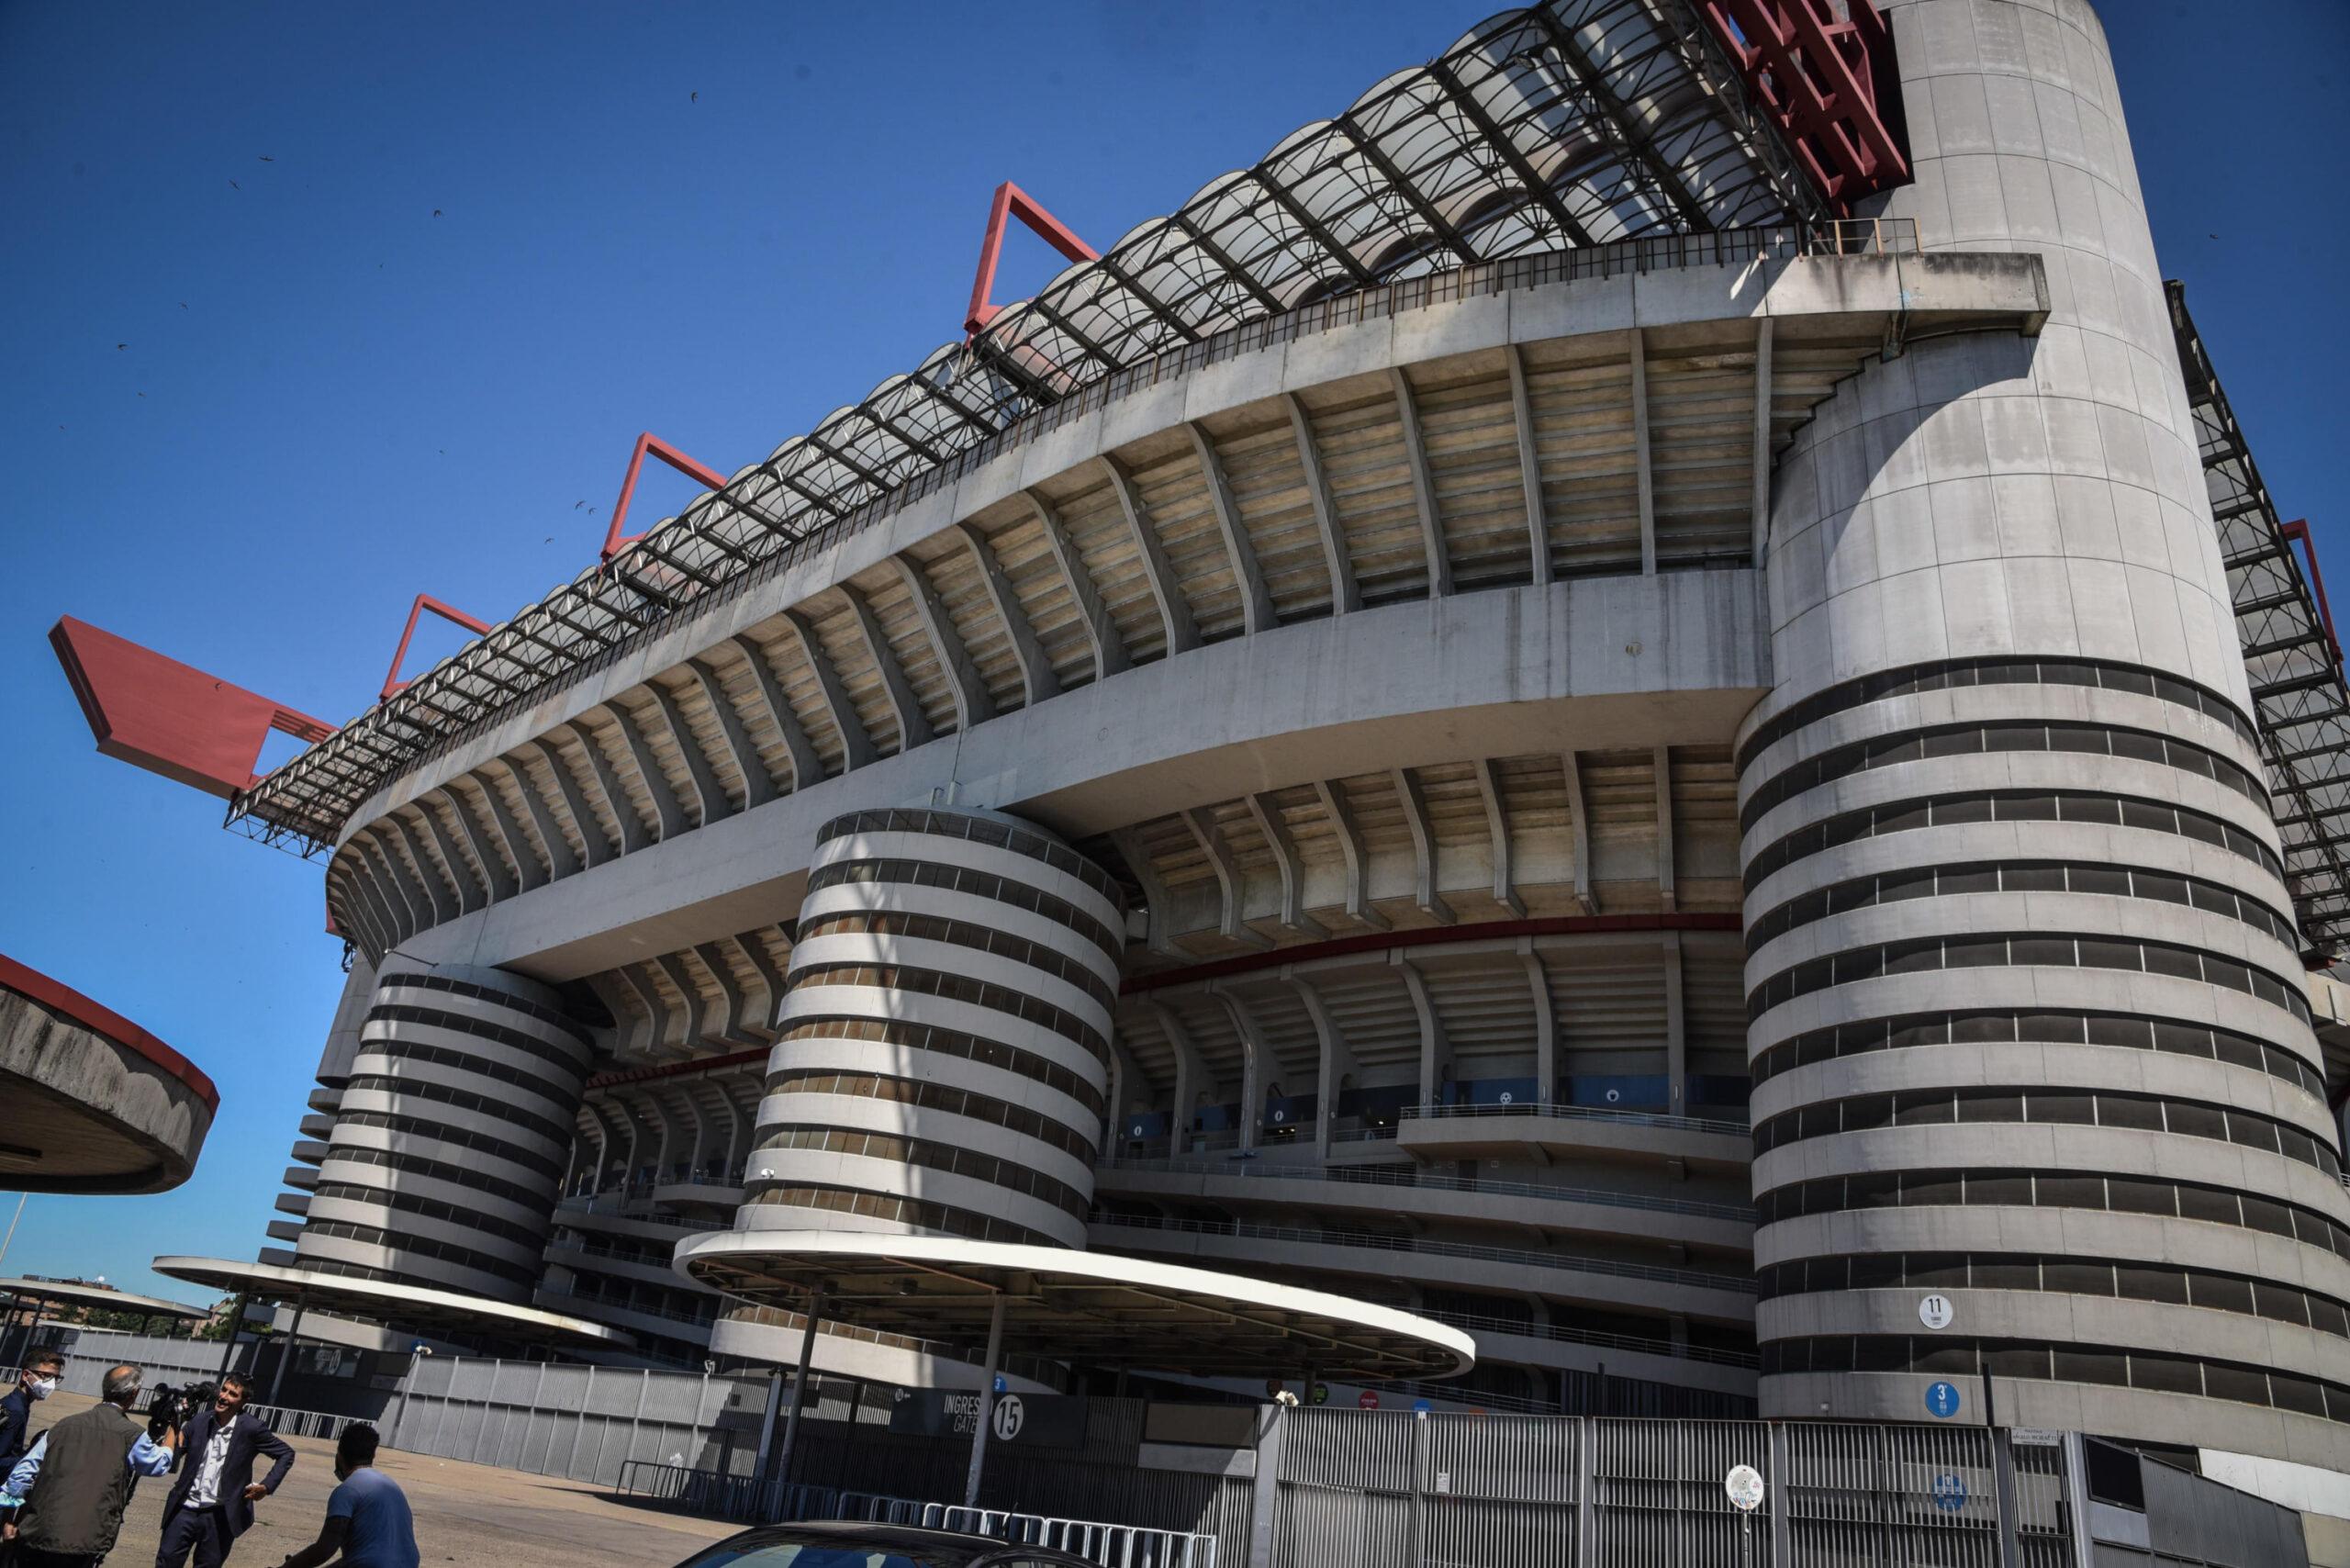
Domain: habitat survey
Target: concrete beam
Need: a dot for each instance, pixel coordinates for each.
(1661, 764)
(529, 869)
(1350, 847)
(1641, 468)
(1159, 931)
(595, 844)
(807, 767)
(708, 793)
(972, 703)
(1335, 1060)
(1415, 817)
(1166, 589)
(504, 881)
(1497, 829)
(633, 837)
(1255, 604)
(1345, 594)
(1291, 865)
(1110, 653)
(858, 748)
(758, 788)
(1415, 457)
(914, 725)
(1546, 1023)
(1037, 680)
(1436, 1048)
(1579, 827)
(1529, 464)
(1229, 885)
(667, 809)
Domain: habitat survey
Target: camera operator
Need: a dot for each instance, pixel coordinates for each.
(77, 1480)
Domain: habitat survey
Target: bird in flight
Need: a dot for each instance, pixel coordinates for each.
(234, 186)
(695, 97)
(267, 159)
(119, 347)
(436, 212)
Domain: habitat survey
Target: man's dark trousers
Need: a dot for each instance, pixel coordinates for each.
(205, 1530)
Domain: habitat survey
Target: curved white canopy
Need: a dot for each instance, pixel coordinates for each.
(1090, 1308)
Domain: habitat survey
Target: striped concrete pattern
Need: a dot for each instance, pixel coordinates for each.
(451, 1135)
(943, 1043)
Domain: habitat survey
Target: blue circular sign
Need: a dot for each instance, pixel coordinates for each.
(1941, 1400)
(1421, 1406)
(1949, 1492)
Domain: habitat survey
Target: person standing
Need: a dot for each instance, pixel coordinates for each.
(367, 1518)
(76, 1481)
(36, 1380)
(212, 1502)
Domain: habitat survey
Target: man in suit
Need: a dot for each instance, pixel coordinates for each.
(212, 1502)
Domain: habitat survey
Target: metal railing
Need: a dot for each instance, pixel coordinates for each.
(743, 1497)
(1729, 1124)
(1378, 1176)
(1476, 1322)
(475, 713)
(1521, 1256)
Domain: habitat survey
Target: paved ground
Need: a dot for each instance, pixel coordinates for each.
(467, 1514)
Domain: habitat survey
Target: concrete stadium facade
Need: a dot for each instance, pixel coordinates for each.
(1660, 811)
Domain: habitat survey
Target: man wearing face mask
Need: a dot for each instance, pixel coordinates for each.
(36, 1380)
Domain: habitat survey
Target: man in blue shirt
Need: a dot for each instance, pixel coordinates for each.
(76, 1482)
(367, 1518)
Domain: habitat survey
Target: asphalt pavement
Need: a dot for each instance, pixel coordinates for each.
(467, 1514)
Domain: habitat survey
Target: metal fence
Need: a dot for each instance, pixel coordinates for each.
(1400, 1491)
(580, 1422)
(739, 1498)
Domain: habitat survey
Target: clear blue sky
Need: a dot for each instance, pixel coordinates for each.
(330, 398)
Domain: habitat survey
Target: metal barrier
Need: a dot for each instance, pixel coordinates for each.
(737, 1497)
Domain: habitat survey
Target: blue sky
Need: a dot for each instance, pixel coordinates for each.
(329, 399)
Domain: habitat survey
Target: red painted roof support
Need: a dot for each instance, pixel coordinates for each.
(708, 479)
(169, 718)
(424, 601)
(2297, 531)
(1818, 76)
(1011, 201)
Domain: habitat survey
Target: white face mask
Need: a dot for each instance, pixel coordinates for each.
(41, 1387)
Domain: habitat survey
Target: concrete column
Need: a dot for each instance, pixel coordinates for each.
(987, 1401)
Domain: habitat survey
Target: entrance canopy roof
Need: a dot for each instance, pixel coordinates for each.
(62, 1292)
(413, 1307)
(96, 1104)
(1086, 1307)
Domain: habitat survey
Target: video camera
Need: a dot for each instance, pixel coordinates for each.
(168, 1409)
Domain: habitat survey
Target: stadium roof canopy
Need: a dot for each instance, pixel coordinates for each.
(1569, 125)
(2289, 651)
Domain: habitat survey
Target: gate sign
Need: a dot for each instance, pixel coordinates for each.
(1935, 1311)
(1030, 1420)
(1744, 1484)
(1942, 1401)
(1367, 1400)
(1949, 1492)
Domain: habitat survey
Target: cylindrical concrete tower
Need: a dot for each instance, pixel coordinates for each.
(450, 1142)
(945, 1037)
(2027, 1024)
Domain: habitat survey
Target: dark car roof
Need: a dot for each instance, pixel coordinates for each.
(889, 1538)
